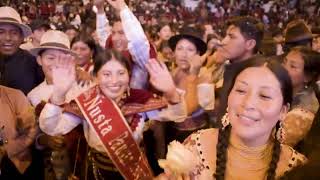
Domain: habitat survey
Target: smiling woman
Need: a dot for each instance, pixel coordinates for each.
(246, 147)
(112, 114)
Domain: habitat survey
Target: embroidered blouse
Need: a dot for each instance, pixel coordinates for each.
(298, 121)
(55, 120)
(243, 162)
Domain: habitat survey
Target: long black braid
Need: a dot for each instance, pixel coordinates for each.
(271, 173)
(222, 146)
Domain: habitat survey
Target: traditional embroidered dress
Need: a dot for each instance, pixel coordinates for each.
(243, 162)
(88, 67)
(299, 119)
(136, 108)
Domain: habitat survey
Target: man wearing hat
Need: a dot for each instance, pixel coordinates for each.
(18, 68)
(38, 27)
(53, 45)
(54, 50)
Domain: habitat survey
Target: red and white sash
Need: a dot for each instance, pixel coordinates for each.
(111, 127)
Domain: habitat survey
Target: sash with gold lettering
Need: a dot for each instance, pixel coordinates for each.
(106, 119)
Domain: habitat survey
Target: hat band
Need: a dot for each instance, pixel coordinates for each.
(9, 19)
(53, 44)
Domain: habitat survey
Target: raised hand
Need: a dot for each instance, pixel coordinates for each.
(161, 79)
(196, 63)
(63, 76)
(117, 4)
(160, 76)
(100, 5)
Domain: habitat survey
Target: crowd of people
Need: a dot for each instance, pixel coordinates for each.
(171, 89)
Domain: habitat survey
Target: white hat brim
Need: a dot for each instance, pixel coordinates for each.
(35, 51)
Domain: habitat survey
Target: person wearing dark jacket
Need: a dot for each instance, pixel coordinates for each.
(18, 68)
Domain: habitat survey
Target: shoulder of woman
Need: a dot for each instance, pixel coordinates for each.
(202, 136)
(204, 142)
(289, 159)
(306, 100)
(301, 112)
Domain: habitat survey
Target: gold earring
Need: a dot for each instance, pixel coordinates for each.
(280, 133)
(225, 120)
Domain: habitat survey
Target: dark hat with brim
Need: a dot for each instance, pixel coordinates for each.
(9, 15)
(191, 34)
(296, 31)
(53, 39)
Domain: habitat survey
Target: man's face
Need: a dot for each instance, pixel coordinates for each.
(119, 40)
(10, 38)
(233, 44)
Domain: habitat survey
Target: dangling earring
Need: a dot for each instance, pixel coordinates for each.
(225, 120)
(126, 94)
(280, 133)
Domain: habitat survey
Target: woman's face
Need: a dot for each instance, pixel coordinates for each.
(165, 33)
(167, 53)
(83, 51)
(255, 105)
(113, 79)
(294, 64)
(183, 52)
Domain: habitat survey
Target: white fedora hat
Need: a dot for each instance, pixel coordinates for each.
(11, 16)
(53, 39)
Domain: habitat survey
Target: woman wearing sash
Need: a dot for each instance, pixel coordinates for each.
(110, 101)
(247, 146)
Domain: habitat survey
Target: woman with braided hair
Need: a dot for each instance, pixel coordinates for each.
(247, 146)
